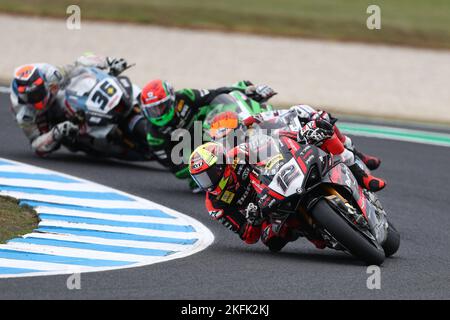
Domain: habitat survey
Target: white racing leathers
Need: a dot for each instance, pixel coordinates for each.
(41, 127)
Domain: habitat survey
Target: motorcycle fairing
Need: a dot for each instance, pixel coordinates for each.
(249, 106)
(234, 101)
(295, 164)
(287, 179)
(97, 92)
(341, 175)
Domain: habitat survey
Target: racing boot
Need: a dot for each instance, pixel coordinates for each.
(370, 161)
(274, 242)
(365, 180)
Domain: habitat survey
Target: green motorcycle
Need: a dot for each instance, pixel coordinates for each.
(234, 107)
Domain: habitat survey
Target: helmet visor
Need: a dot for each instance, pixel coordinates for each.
(158, 109)
(223, 123)
(33, 95)
(208, 179)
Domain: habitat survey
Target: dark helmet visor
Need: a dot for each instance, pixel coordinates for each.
(159, 109)
(210, 178)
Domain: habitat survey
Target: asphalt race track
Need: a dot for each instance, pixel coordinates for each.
(417, 198)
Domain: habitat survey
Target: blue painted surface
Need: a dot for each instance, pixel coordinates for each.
(125, 224)
(114, 235)
(69, 194)
(122, 211)
(4, 270)
(39, 257)
(36, 176)
(90, 246)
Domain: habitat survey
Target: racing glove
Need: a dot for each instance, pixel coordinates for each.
(64, 129)
(316, 131)
(323, 115)
(260, 92)
(50, 141)
(116, 65)
(253, 215)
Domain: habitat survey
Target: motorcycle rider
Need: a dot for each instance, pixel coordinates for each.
(168, 110)
(319, 128)
(38, 101)
(232, 200)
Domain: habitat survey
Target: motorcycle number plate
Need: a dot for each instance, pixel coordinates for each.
(288, 179)
(104, 96)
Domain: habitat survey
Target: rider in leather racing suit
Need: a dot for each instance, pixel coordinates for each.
(318, 128)
(38, 100)
(232, 199)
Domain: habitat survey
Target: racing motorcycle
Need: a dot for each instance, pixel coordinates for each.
(302, 182)
(102, 104)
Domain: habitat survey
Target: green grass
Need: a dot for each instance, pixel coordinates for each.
(423, 23)
(15, 220)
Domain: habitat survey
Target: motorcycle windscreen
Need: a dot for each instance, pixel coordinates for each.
(221, 103)
(262, 148)
(93, 90)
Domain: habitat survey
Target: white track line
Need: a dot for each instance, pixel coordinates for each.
(42, 266)
(113, 242)
(108, 204)
(29, 169)
(49, 185)
(76, 253)
(128, 230)
(113, 217)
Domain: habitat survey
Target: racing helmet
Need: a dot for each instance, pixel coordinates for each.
(207, 165)
(30, 86)
(158, 102)
(223, 124)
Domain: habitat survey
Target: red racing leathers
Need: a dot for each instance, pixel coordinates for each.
(227, 203)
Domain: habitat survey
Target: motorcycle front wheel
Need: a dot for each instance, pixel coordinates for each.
(346, 235)
(392, 242)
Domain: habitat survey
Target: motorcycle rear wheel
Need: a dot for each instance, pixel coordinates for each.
(346, 235)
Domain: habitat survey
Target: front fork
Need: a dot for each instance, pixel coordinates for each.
(373, 218)
(336, 200)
